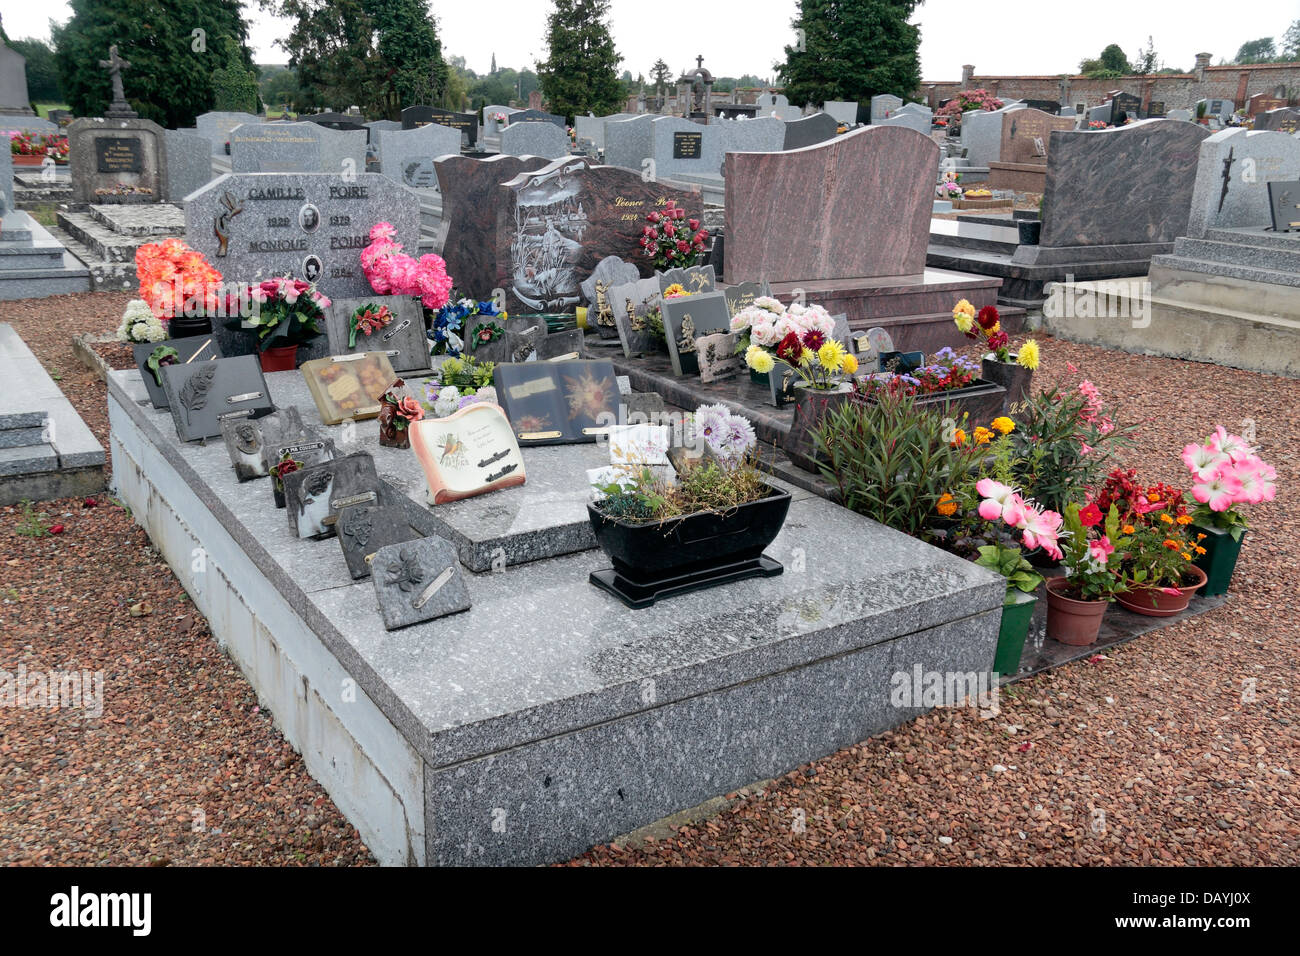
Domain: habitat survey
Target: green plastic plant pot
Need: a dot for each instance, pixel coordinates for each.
(1012, 633)
(1219, 559)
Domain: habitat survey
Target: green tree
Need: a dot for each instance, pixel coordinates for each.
(1147, 60)
(42, 71)
(852, 51)
(580, 72)
(172, 47)
(1113, 58)
(1291, 43)
(233, 86)
(1257, 51)
(381, 55)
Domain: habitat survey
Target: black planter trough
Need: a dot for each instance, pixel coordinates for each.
(654, 560)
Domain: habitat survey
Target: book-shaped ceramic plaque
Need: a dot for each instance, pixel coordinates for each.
(687, 318)
(354, 325)
(202, 395)
(152, 357)
(467, 453)
(742, 294)
(632, 301)
(314, 494)
(695, 280)
(717, 357)
(348, 386)
(418, 581)
(365, 528)
(558, 402)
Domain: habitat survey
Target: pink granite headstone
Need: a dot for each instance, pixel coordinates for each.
(857, 206)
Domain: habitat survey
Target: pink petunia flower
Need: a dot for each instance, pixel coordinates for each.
(1203, 461)
(1219, 492)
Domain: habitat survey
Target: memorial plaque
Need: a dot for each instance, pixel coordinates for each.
(201, 395)
(465, 123)
(402, 338)
(1284, 202)
(537, 116)
(742, 295)
(688, 318)
(252, 442)
(118, 154)
(560, 346)
(252, 227)
(687, 145)
(1156, 109)
(558, 402)
(362, 529)
(418, 581)
(631, 303)
(694, 280)
(348, 386)
(1025, 134)
(314, 494)
(419, 174)
(152, 357)
(468, 453)
(1124, 106)
(717, 357)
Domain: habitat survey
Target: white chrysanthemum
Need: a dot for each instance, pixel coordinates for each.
(448, 399)
(487, 394)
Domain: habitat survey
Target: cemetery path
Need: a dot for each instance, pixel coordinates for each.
(181, 767)
(1150, 753)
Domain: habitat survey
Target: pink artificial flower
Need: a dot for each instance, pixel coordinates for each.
(1203, 461)
(383, 230)
(1072, 368)
(1085, 448)
(291, 295)
(1234, 446)
(1219, 492)
(1101, 550)
(322, 301)
(1042, 529)
(1256, 480)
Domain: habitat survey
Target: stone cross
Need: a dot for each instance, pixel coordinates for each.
(115, 64)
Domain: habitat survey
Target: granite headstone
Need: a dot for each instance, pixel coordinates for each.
(535, 139)
(1232, 176)
(407, 155)
(297, 148)
(809, 131)
(467, 123)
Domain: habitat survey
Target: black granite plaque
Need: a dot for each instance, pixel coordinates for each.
(1124, 106)
(152, 357)
(1156, 109)
(687, 145)
(418, 581)
(742, 295)
(119, 154)
(467, 123)
(202, 395)
(1284, 203)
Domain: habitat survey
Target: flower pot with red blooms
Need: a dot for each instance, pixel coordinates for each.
(1093, 551)
(287, 465)
(1226, 474)
(672, 238)
(284, 313)
(397, 411)
(949, 382)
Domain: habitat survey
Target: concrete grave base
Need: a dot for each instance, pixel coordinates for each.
(548, 717)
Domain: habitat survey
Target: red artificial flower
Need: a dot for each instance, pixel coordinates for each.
(999, 340)
(693, 223)
(647, 231)
(90, 503)
(1090, 516)
(813, 339)
(670, 230)
(790, 348)
(988, 317)
(56, 529)
(653, 217)
(683, 245)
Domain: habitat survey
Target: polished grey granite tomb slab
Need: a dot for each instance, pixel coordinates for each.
(548, 716)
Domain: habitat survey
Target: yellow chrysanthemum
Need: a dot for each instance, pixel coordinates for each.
(1003, 424)
(831, 355)
(759, 359)
(1028, 357)
(675, 289)
(964, 323)
(982, 435)
(963, 308)
(806, 358)
(850, 363)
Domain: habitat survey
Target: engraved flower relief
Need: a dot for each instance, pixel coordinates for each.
(404, 573)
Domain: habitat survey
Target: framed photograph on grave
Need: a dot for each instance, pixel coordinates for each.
(418, 581)
(252, 443)
(558, 402)
(348, 386)
(468, 453)
(694, 280)
(201, 395)
(687, 318)
(314, 494)
(1284, 204)
(152, 357)
(362, 529)
(392, 324)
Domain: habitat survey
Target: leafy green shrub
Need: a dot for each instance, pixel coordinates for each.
(893, 460)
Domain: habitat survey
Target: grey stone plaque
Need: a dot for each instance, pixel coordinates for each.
(201, 346)
(201, 395)
(403, 338)
(365, 528)
(418, 581)
(313, 495)
(688, 318)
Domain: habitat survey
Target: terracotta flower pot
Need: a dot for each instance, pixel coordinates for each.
(1154, 602)
(281, 358)
(1071, 621)
(1016, 379)
(29, 160)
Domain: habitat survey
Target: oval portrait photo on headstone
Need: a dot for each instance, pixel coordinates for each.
(312, 268)
(309, 218)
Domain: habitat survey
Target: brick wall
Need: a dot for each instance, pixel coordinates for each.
(1178, 91)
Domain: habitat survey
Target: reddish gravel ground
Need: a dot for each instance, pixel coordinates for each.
(1178, 748)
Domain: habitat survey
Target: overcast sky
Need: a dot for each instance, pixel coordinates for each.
(1001, 37)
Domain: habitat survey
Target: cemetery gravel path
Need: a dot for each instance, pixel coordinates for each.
(1149, 753)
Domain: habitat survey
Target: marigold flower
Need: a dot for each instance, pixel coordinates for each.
(1004, 424)
(1199, 549)
(982, 435)
(1166, 519)
(959, 437)
(1128, 529)
(1171, 544)
(947, 505)
(1186, 556)
(1184, 519)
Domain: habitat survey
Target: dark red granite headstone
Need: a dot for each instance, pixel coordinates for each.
(857, 206)
(470, 193)
(555, 224)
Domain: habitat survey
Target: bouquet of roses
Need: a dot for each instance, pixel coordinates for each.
(1226, 472)
(390, 271)
(671, 239)
(284, 312)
